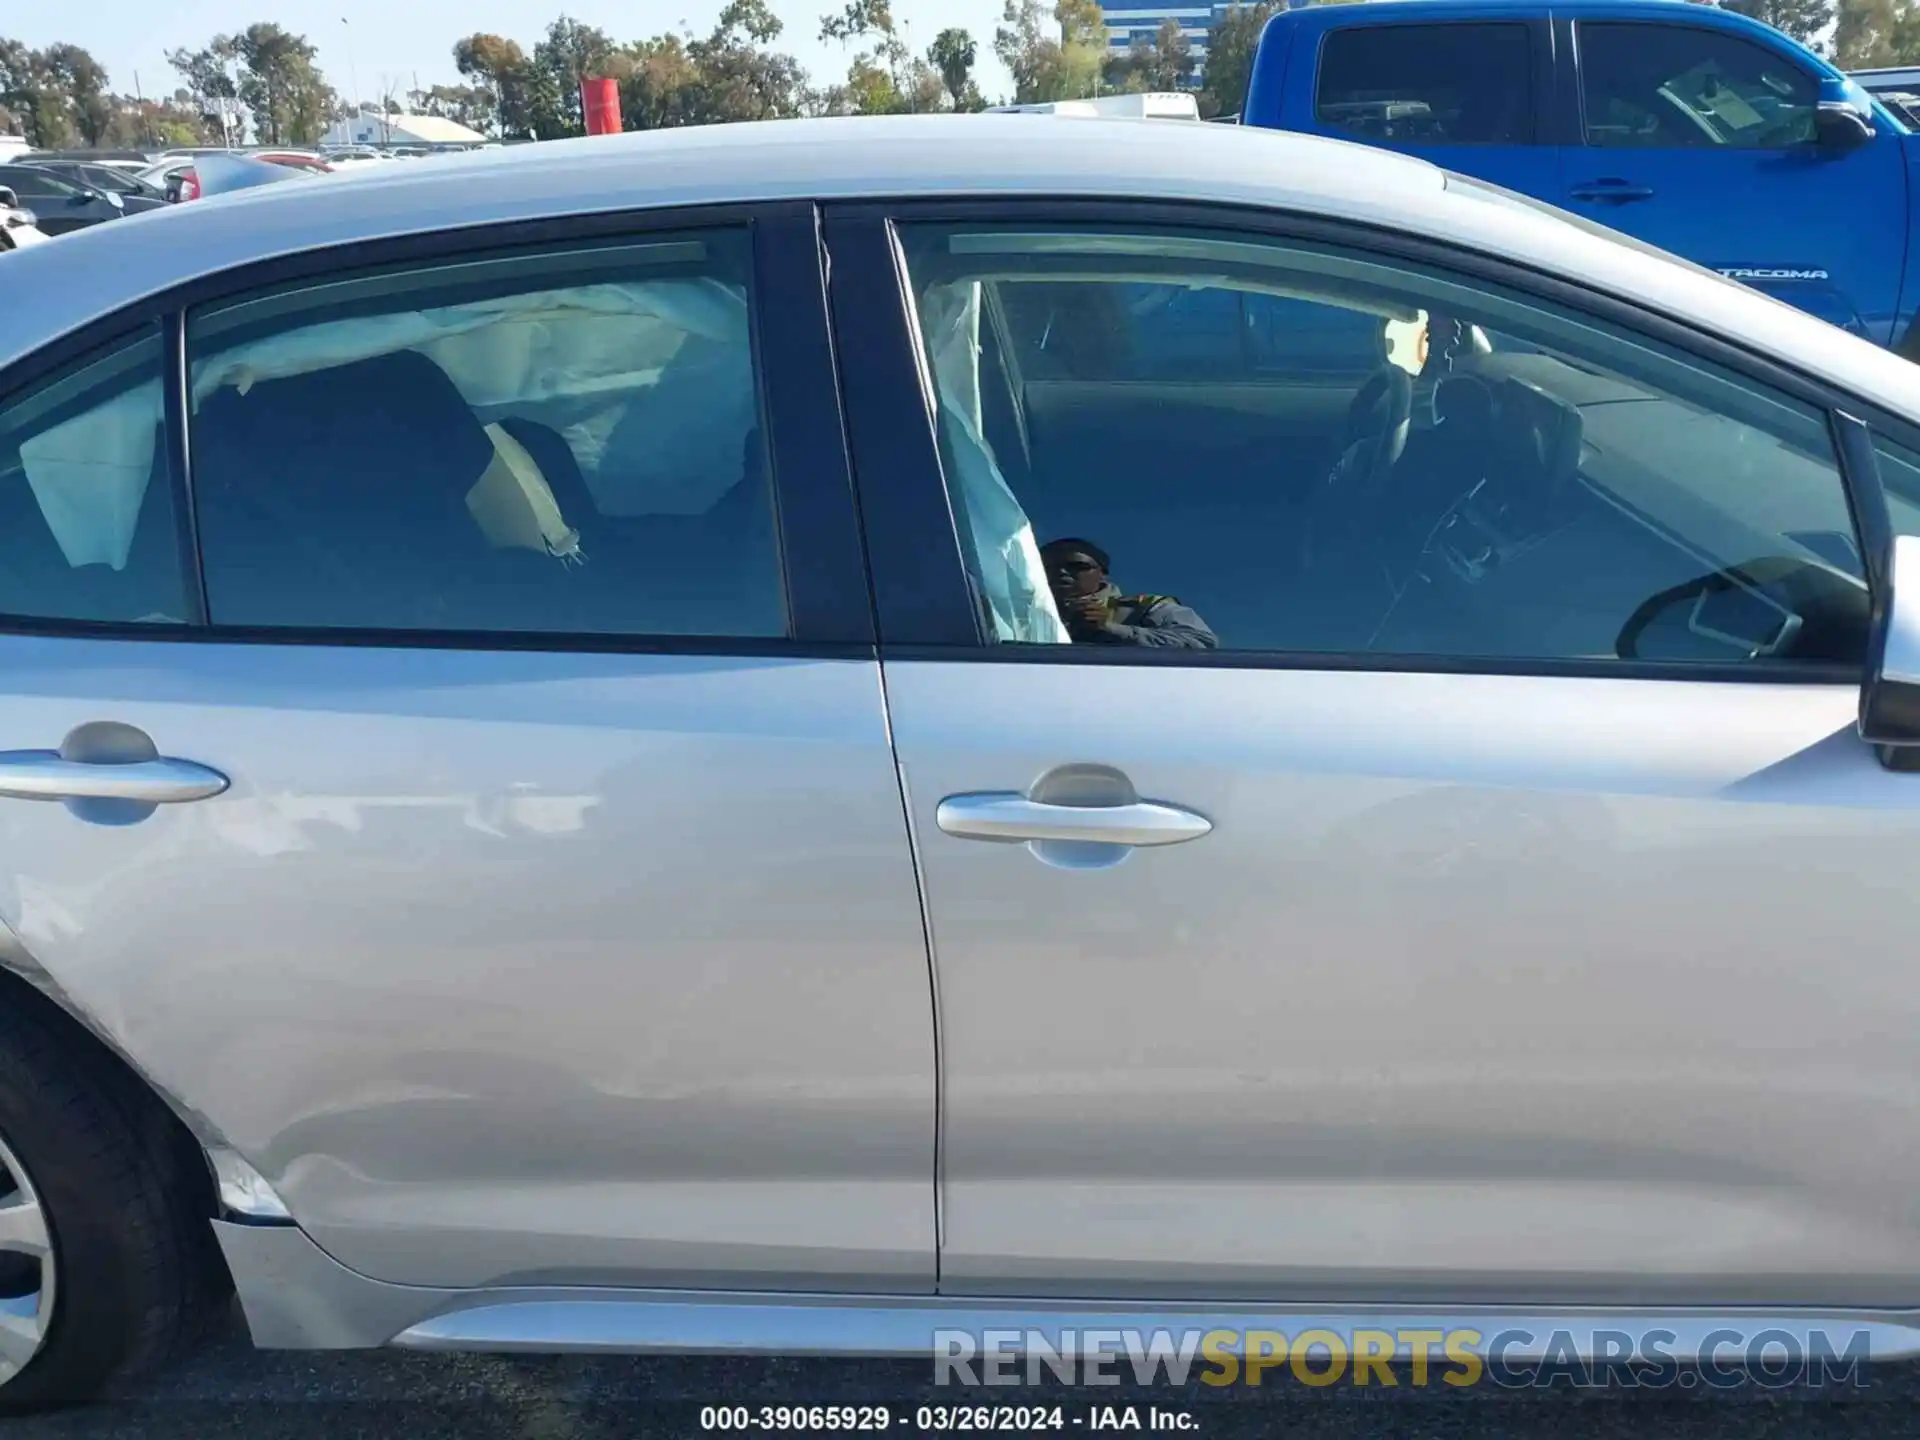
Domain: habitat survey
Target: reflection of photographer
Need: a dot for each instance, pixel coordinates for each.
(1096, 613)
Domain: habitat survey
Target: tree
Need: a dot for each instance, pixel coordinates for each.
(499, 66)
(81, 82)
(209, 81)
(888, 78)
(1867, 33)
(570, 53)
(1061, 61)
(1163, 63)
(1805, 20)
(1231, 44)
(141, 124)
(285, 93)
(952, 54)
(739, 77)
(271, 71)
(467, 105)
(660, 88)
(33, 95)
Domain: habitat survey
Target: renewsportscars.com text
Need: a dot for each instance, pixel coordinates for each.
(1722, 1358)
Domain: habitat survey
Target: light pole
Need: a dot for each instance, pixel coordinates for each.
(353, 78)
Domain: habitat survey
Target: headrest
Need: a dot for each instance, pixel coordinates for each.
(393, 424)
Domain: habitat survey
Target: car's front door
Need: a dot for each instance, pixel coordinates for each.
(1500, 906)
(558, 921)
(1703, 142)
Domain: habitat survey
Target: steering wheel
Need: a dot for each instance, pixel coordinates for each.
(1379, 420)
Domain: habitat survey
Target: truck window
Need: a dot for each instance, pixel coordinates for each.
(1465, 84)
(1666, 87)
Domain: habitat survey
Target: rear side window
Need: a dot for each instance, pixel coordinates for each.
(1677, 87)
(1468, 84)
(565, 442)
(87, 520)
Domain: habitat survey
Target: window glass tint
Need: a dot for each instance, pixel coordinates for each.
(30, 180)
(1177, 333)
(1428, 84)
(1900, 479)
(1677, 87)
(87, 522)
(1507, 481)
(549, 443)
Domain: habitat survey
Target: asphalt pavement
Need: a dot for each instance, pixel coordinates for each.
(232, 1391)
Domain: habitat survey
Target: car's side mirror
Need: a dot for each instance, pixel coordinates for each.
(1843, 117)
(8, 199)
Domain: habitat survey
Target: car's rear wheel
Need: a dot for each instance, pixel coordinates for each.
(107, 1267)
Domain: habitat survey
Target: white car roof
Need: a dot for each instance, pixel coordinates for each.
(54, 289)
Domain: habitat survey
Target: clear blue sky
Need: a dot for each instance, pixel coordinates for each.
(394, 42)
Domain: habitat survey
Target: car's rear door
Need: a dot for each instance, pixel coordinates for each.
(1477, 918)
(557, 921)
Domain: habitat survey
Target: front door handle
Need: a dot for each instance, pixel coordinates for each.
(1009, 815)
(49, 775)
(1610, 192)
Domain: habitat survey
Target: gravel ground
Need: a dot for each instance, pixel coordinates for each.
(233, 1391)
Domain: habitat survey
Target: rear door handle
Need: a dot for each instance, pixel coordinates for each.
(1009, 815)
(49, 775)
(1610, 192)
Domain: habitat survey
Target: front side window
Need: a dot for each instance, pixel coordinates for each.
(1679, 87)
(562, 442)
(1507, 481)
(87, 519)
(1458, 84)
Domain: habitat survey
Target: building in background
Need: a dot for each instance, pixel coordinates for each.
(370, 127)
(1130, 20)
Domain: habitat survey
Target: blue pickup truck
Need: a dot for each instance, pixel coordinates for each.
(1695, 129)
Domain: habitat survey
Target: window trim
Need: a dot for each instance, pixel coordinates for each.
(1579, 23)
(1539, 39)
(927, 614)
(827, 589)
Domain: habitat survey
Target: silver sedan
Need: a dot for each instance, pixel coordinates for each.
(810, 737)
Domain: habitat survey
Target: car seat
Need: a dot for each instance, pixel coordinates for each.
(338, 498)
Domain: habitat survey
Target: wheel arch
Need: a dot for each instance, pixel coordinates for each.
(153, 1113)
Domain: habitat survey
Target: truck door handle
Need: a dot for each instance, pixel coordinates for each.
(1610, 192)
(1009, 815)
(49, 775)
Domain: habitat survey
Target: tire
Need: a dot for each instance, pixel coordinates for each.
(131, 1275)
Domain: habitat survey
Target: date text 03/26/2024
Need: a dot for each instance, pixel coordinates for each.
(940, 1419)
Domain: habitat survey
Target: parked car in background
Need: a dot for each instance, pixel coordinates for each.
(125, 183)
(17, 223)
(59, 204)
(1888, 80)
(1138, 105)
(1691, 127)
(1898, 89)
(173, 177)
(180, 179)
